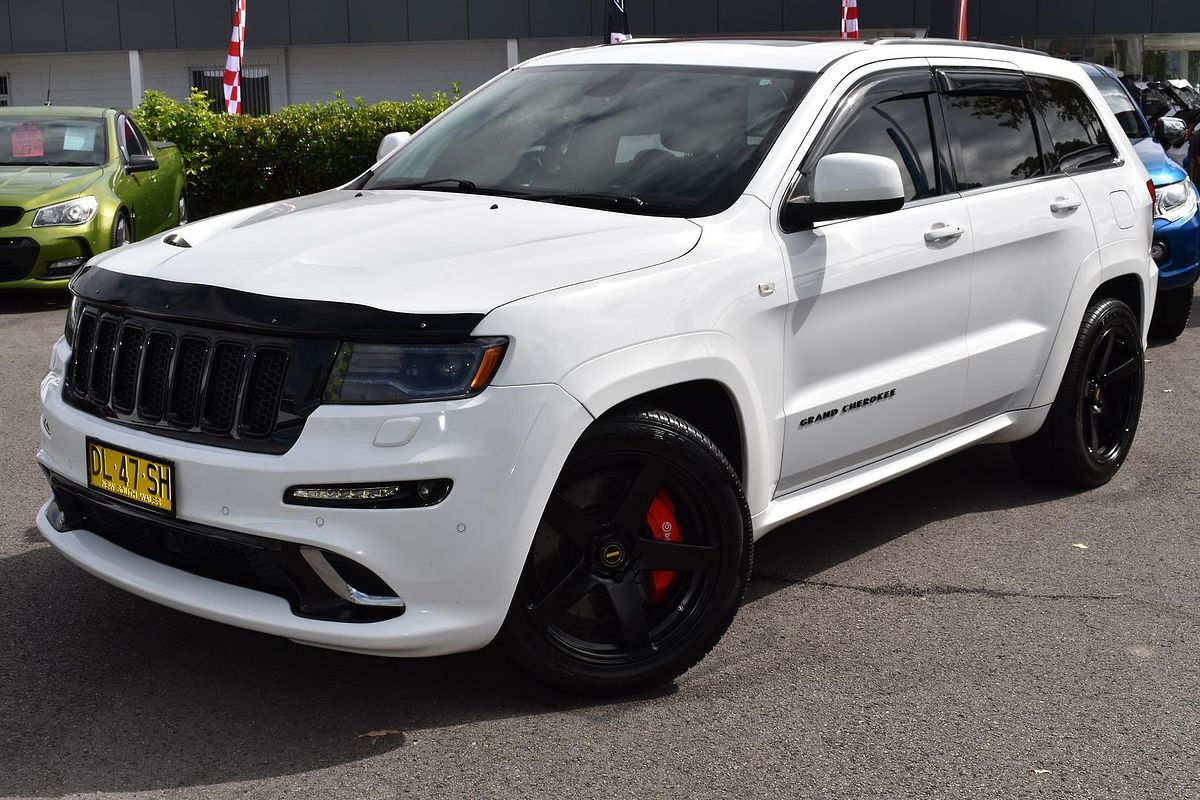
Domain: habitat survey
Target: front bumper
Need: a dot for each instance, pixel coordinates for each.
(1181, 265)
(28, 255)
(455, 564)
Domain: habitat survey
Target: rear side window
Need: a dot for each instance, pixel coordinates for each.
(993, 137)
(897, 128)
(1078, 139)
(1122, 107)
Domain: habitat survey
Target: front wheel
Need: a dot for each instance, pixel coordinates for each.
(639, 563)
(1093, 419)
(181, 216)
(122, 234)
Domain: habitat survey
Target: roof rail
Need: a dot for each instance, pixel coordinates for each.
(884, 40)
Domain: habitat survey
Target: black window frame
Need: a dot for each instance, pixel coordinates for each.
(871, 89)
(977, 80)
(1048, 157)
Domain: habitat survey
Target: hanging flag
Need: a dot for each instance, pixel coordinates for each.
(849, 19)
(616, 22)
(233, 63)
(962, 20)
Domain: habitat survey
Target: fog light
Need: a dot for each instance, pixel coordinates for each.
(1158, 251)
(407, 494)
(63, 267)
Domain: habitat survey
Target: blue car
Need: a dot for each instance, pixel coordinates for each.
(1176, 247)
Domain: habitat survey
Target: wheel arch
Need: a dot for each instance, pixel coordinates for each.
(703, 378)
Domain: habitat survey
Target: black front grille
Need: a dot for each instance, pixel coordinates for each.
(253, 562)
(10, 215)
(250, 391)
(17, 257)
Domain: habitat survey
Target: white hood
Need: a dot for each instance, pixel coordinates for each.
(409, 251)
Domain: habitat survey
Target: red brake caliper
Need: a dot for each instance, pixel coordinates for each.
(665, 528)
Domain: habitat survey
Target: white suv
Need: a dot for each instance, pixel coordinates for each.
(546, 372)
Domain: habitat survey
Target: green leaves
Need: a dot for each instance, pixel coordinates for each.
(234, 162)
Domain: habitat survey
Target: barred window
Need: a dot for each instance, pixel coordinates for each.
(256, 87)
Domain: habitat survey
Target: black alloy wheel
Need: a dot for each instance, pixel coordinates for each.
(639, 563)
(1091, 424)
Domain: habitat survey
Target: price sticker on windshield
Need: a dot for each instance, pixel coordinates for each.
(27, 141)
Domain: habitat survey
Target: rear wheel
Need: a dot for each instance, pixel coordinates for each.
(1091, 424)
(1172, 309)
(639, 563)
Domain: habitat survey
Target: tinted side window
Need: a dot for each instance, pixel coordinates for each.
(992, 135)
(897, 128)
(1078, 139)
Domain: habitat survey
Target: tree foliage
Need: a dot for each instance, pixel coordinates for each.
(238, 161)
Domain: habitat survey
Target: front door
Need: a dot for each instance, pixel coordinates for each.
(876, 357)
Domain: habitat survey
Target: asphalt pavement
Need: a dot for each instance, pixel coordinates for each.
(959, 633)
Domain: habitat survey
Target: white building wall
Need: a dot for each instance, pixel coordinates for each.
(80, 79)
(170, 71)
(391, 71)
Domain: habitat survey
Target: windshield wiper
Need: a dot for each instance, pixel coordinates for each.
(586, 199)
(460, 184)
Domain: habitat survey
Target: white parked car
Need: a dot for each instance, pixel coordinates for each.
(546, 372)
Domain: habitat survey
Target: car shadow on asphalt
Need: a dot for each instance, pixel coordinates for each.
(103, 691)
(23, 301)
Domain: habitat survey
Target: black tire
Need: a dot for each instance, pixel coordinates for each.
(1090, 428)
(1172, 309)
(589, 616)
(122, 233)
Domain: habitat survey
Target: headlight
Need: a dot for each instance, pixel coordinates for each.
(1175, 202)
(385, 373)
(73, 212)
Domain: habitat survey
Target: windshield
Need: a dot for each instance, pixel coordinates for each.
(649, 139)
(45, 141)
(1122, 107)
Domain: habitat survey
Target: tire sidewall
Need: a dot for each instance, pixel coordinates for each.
(526, 645)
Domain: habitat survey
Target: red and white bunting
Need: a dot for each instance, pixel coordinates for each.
(233, 64)
(849, 19)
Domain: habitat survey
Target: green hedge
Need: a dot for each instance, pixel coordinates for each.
(234, 162)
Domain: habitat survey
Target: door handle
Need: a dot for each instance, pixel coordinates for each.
(943, 232)
(1062, 204)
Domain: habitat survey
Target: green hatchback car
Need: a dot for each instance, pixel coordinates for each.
(75, 182)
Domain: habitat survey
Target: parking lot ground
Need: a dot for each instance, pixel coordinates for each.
(959, 633)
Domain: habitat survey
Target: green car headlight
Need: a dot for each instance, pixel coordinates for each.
(385, 373)
(79, 211)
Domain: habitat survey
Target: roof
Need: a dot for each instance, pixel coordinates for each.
(53, 111)
(802, 54)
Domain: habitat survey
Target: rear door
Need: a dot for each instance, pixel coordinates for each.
(1032, 232)
(876, 354)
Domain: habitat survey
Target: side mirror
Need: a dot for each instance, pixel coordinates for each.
(141, 163)
(391, 143)
(1171, 131)
(847, 185)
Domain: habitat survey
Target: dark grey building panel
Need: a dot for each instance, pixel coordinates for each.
(1009, 17)
(5, 30)
(685, 17)
(1121, 16)
(738, 16)
(498, 19)
(147, 25)
(319, 22)
(806, 15)
(267, 21)
(37, 26)
(437, 19)
(557, 18)
(641, 17)
(1173, 16)
(202, 23)
(91, 24)
(892, 14)
(1065, 17)
(378, 20)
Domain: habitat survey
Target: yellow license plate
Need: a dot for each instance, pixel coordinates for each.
(137, 478)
